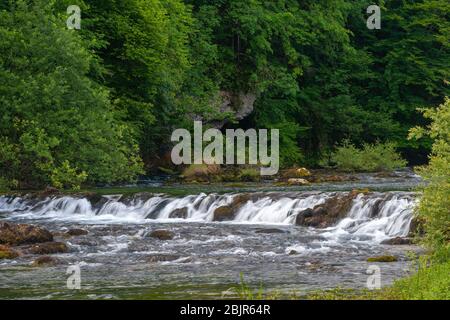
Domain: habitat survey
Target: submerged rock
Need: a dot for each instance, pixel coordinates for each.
(45, 261)
(385, 258)
(49, 248)
(7, 253)
(270, 231)
(162, 258)
(397, 241)
(77, 232)
(17, 234)
(162, 234)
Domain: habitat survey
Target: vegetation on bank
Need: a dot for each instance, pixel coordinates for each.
(434, 206)
(98, 105)
(370, 158)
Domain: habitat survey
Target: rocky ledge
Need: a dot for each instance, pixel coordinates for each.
(18, 240)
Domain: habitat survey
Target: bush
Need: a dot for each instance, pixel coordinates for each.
(434, 206)
(67, 177)
(372, 157)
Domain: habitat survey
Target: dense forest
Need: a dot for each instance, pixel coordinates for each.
(98, 104)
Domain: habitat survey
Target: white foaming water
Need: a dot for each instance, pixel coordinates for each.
(280, 211)
(376, 216)
(383, 216)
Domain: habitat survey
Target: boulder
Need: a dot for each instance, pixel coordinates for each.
(296, 173)
(228, 212)
(297, 182)
(7, 253)
(397, 241)
(17, 234)
(179, 213)
(48, 248)
(223, 213)
(45, 261)
(327, 214)
(162, 234)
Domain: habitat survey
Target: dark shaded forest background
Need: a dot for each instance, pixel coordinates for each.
(99, 104)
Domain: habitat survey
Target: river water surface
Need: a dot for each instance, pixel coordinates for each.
(119, 259)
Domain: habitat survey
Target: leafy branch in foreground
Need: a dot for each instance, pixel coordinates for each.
(434, 206)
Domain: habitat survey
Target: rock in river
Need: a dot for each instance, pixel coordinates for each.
(179, 213)
(45, 261)
(162, 234)
(77, 232)
(48, 248)
(397, 241)
(7, 253)
(327, 214)
(17, 234)
(227, 212)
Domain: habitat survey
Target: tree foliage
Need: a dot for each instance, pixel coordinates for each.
(100, 99)
(53, 115)
(434, 206)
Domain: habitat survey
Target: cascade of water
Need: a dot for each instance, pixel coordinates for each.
(379, 214)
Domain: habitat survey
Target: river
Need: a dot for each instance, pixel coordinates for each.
(261, 240)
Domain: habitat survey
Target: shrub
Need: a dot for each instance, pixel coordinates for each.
(67, 177)
(372, 157)
(434, 206)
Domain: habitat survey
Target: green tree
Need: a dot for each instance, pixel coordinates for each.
(54, 118)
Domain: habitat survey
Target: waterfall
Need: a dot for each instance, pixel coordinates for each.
(378, 214)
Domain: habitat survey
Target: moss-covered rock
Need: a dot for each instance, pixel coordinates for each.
(384, 258)
(17, 234)
(7, 253)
